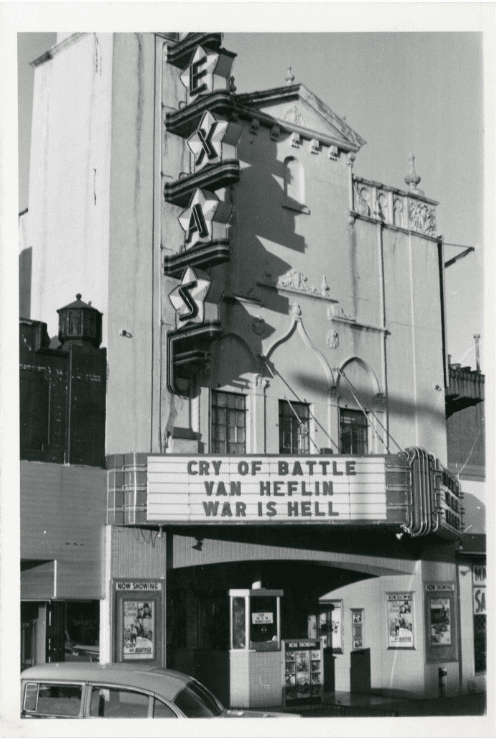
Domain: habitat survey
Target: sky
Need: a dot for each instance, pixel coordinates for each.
(407, 92)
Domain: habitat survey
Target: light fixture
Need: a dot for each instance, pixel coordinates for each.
(199, 544)
(160, 530)
(399, 536)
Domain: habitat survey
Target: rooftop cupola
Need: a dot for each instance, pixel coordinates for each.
(80, 323)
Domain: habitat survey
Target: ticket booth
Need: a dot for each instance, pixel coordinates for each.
(255, 648)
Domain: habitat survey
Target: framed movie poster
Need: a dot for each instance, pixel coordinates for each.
(440, 622)
(331, 624)
(357, 628)
(138, 623)
(400, 621)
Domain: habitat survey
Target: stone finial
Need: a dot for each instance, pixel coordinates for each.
(290, 78)
(412, 179)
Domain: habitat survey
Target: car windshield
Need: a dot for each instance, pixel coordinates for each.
(195, 701)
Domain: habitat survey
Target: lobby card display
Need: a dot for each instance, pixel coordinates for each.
(303, 666)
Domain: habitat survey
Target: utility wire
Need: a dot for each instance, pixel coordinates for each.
(311, 414)
(281, 378)
(372, 412)
(363, 409)
(302, 425)
(470, 453)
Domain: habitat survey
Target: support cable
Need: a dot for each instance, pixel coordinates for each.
(353, 392)
(469, 455)
(281, 378)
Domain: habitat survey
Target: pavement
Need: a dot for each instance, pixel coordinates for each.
(346, 705)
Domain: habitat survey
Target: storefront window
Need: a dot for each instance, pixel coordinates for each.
(228, 423)
(293, 427)
(82, 630)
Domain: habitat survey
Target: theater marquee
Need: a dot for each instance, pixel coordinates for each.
(215, 489)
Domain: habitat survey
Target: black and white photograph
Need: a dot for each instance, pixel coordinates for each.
(244, 351)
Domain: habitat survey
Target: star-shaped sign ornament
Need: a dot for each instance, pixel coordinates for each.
(206, 142)
(196, 220)
(206, 71)
(188, 298)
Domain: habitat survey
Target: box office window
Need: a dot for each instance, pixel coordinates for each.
(228, 423)
(238, 620)
(263, 622)
(294, 428)
(353, 432)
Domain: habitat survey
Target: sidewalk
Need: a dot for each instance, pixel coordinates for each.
(346, 705)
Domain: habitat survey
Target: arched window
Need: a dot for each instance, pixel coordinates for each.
(356, 390)
(294, 185)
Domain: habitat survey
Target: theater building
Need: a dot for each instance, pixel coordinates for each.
(280, 519)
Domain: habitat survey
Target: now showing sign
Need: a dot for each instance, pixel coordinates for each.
(215, 489)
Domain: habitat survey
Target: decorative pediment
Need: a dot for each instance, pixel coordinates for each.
(291, 109)
(295, 108)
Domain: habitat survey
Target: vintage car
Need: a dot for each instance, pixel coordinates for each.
(89, 690)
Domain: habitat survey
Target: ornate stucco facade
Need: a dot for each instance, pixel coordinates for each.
(261, 302)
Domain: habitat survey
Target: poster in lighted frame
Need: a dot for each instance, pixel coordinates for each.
(440, 622)
(138, 625)
(400, 621)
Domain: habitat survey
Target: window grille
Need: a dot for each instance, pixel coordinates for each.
(353, 432)
(293, 428)
(228, 423)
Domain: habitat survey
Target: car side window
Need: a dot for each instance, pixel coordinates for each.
(162, 710)
(118, 703)
(52, 699)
